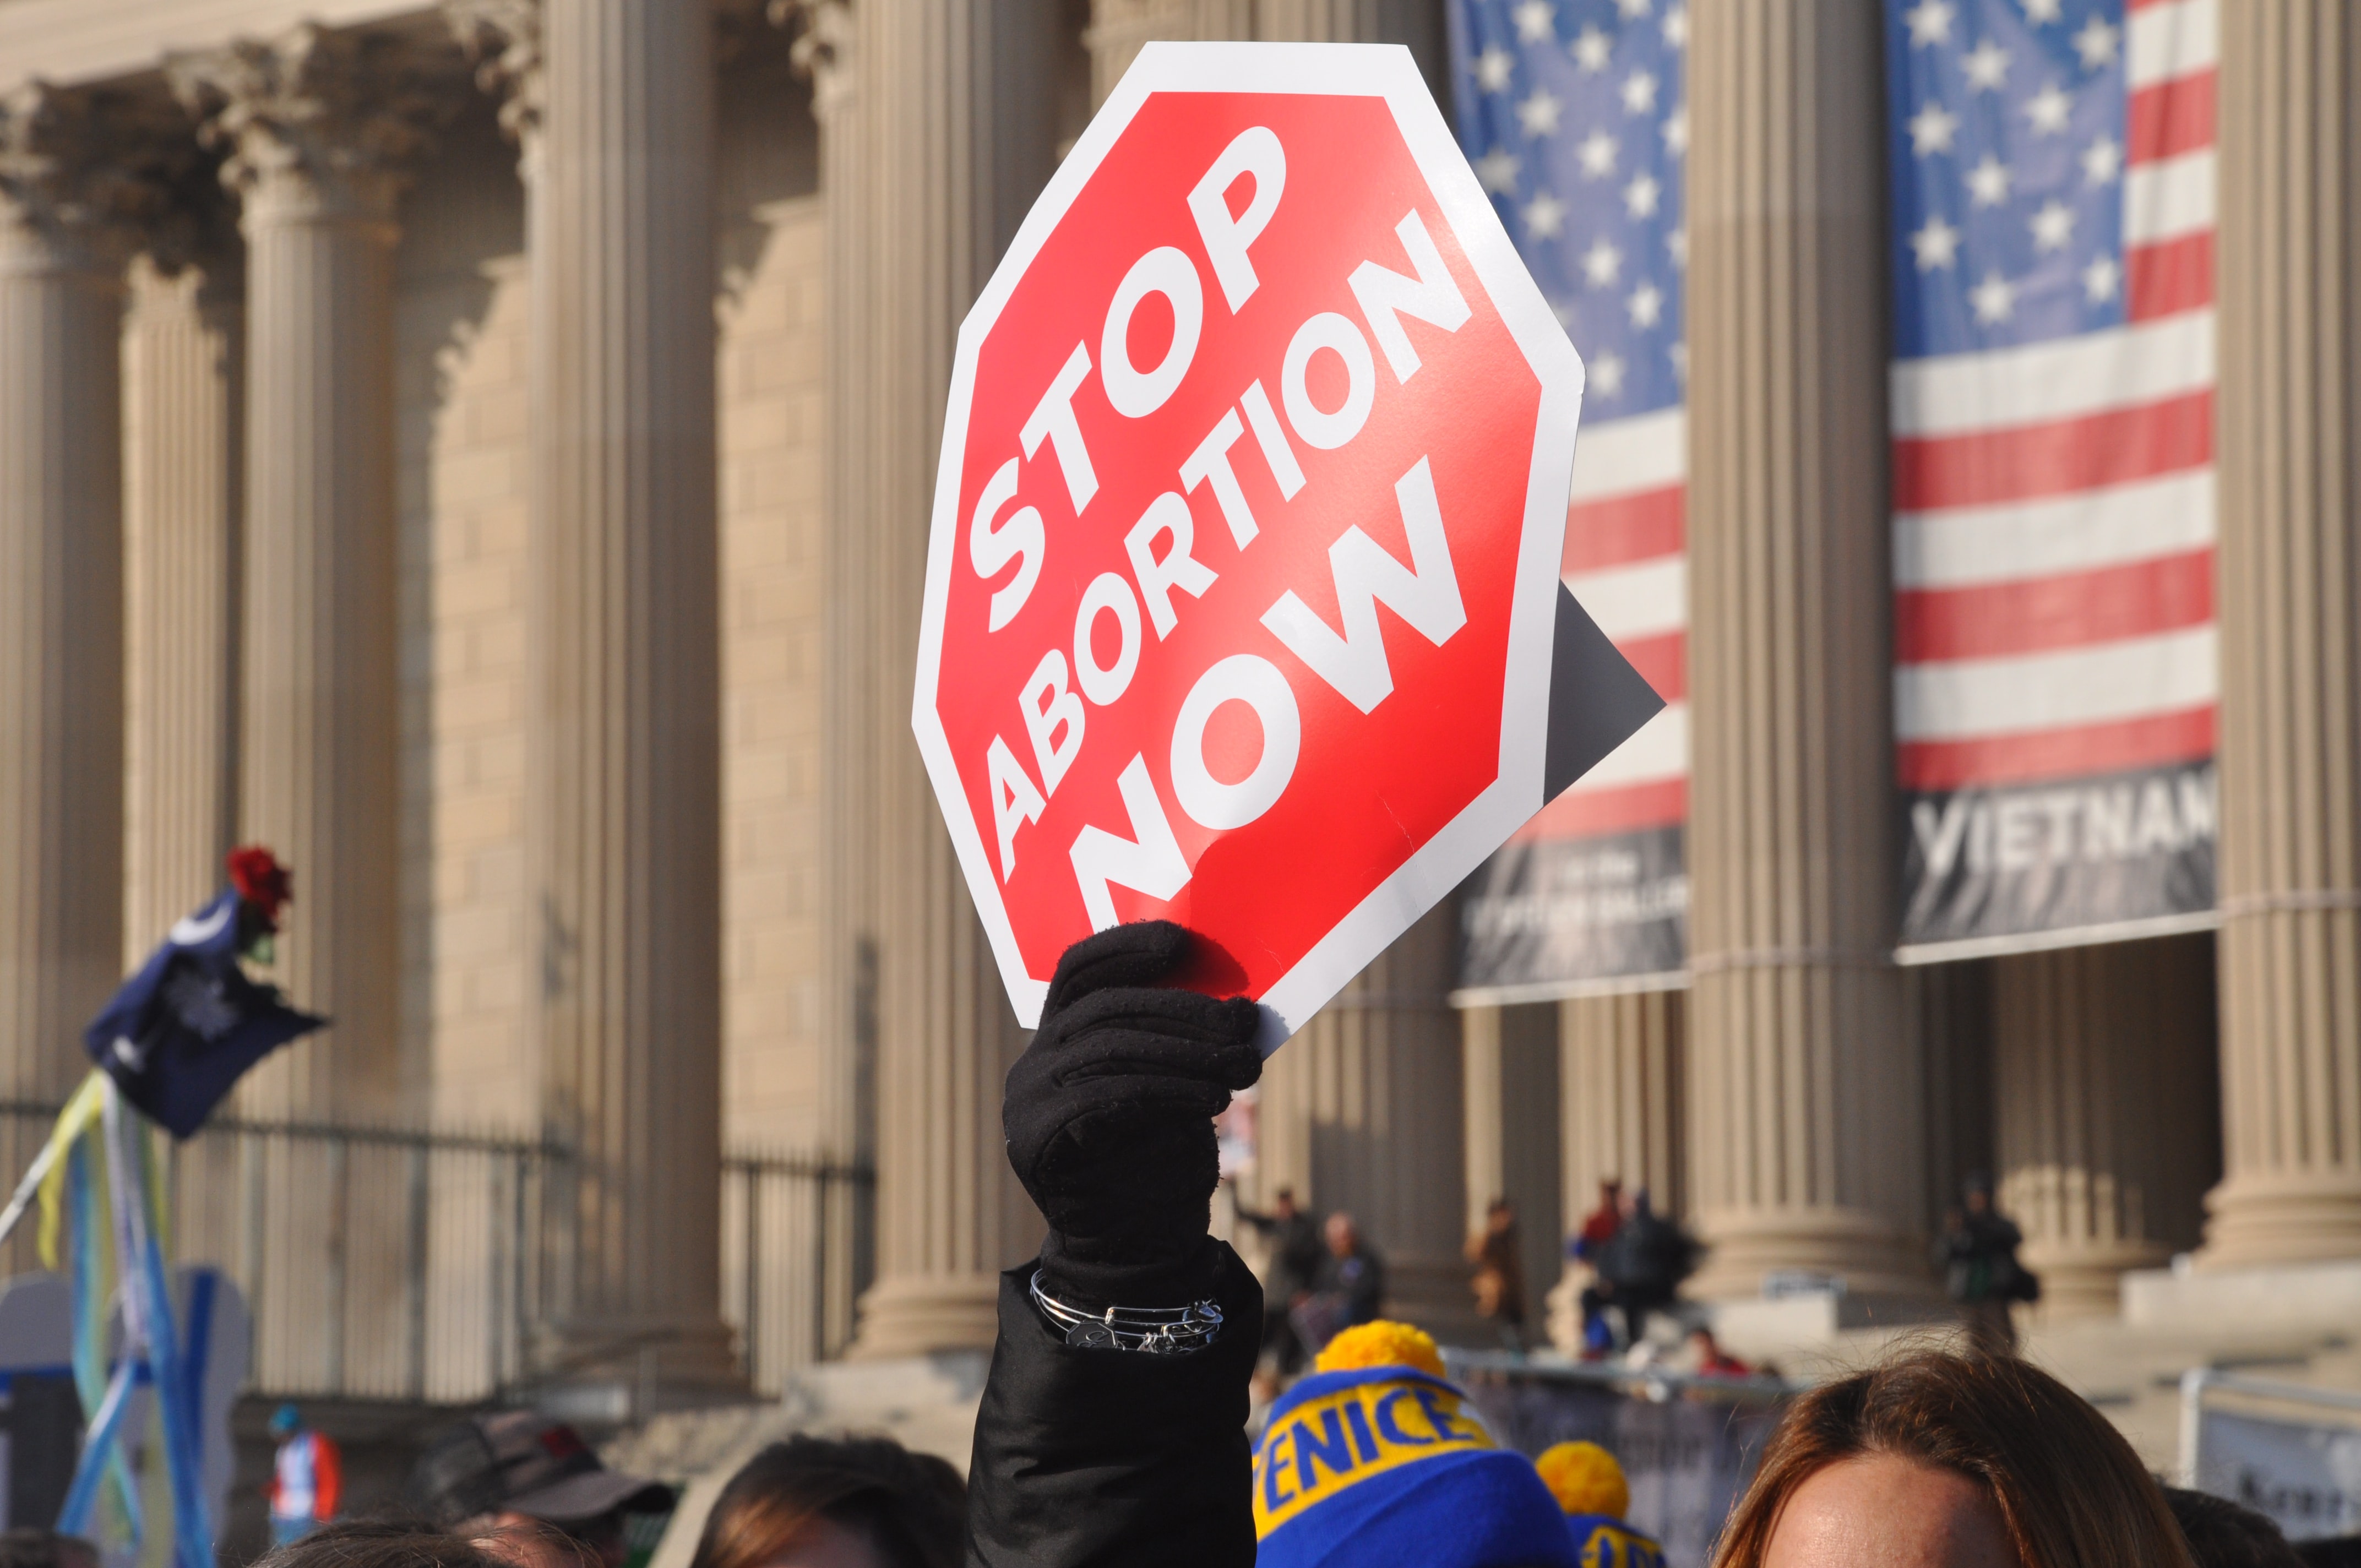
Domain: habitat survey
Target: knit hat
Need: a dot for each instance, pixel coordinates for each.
(1589, 1486)
(1585, 1479)
(1382, 1465)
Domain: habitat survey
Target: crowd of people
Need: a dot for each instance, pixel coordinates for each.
(1114, 1426)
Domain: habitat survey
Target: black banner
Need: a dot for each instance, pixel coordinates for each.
(2080, 855)
(1546, 917)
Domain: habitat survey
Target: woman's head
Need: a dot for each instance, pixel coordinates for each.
(814, 1502)
(1968, 1461)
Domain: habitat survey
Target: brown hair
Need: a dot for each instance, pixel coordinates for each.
(2070, 1492)
(911, 1507)
(377, 1543)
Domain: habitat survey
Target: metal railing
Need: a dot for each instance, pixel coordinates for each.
(398, 1263)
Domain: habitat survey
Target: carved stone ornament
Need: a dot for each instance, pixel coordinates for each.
(822, 49)
(72, 168)
(502, 39)
(332, 115)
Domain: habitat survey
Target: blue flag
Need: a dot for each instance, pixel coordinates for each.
(181, 1031)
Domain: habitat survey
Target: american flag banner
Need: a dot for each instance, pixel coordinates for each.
(2054, 687)
(1573, 115)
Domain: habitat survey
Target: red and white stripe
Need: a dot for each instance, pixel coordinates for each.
(2053, 530)
(1626, 564)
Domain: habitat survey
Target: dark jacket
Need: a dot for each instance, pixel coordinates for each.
(1647, 1258)
(1296, 1249)
(1358, 1282)
(1116, 1459)
(1980, 1261)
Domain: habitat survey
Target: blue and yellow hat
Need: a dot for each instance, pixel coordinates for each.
(1372, 1466)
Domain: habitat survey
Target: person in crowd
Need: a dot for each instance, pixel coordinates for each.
(813, 1502)
(2220, 1534)
(307, 1477)
(1599, 1225)
(1948, 1459)
(1641, 1267)
(1978, 1253)
(1348, 1288)
(1374, 1461)
(521, 1482)
(1598, 1229)
(1497, 1278)
(1709, 1360)
(1588, 1483)
(377, 1543)
(1296, 1252)
(28, 1546)
(1121, 1442)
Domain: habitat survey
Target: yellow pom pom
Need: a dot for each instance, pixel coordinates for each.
(1380, 1344)
(1585, 1479)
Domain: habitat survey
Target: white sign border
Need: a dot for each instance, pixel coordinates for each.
(1387, 71)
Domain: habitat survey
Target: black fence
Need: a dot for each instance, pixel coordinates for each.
(396, 1264)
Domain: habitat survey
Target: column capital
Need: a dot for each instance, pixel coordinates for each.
(822, 49)
(502, 39)
(314, 124)
(73, 179)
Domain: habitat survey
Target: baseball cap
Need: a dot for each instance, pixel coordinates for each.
(522, 1462)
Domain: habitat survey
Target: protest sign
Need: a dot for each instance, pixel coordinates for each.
(1241, 596)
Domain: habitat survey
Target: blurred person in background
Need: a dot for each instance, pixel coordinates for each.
(1497, 1278)
(1349, 1287)
(1708, 1359)
(1296, 1251)
(1641, 1267)
(814, 1502)
(2220, 1534)
(27, 1547)
(1597, 1228)
(520, 1483)
(1978, 1253)
(307, 1477)
(1943, 1460)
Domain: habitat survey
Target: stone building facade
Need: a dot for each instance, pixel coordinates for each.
(482, 450)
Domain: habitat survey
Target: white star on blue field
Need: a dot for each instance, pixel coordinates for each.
(1572, 113)
(2007, 161)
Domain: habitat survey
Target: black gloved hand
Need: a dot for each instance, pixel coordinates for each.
(1109, 1116)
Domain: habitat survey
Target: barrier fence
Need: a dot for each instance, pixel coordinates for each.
(397, 1264)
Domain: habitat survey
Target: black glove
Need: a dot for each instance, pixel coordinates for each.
(1109, 1116)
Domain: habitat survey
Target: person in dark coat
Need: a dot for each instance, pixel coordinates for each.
(1642, 1267)
(1091, 1453)
(1297, 1250)
(1981, 1270)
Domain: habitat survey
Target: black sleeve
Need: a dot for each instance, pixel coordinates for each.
(1116, 1459)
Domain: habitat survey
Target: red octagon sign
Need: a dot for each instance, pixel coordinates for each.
(1245, 537)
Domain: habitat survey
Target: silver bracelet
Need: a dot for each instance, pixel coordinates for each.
(1159, 1331)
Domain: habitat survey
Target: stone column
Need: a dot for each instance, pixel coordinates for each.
(61, 588)
(825, 50)
(316, 128)
(2289, 401)
(1622, 1118)
(183, 400)
(2103, 1073)
(958, 140)
(613, 101)
(1118, 29)
(1508, 1065)
(1362, 1112)
(1805, 1082)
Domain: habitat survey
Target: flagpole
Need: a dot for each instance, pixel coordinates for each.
(23, 1199)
